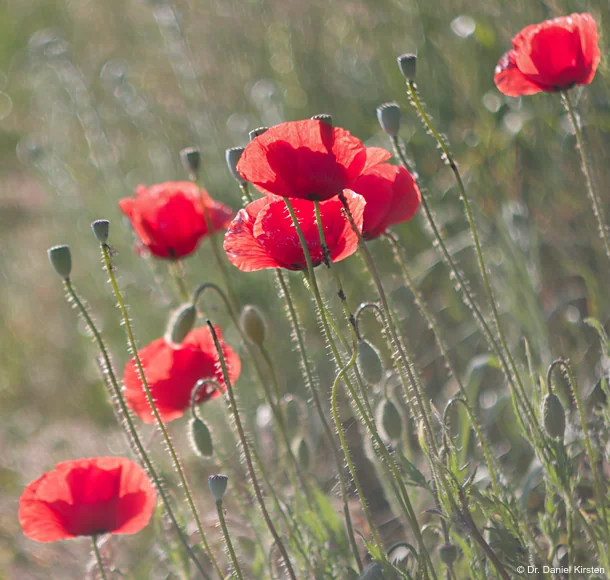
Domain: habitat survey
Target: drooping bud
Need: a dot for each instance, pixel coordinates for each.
(61, 260)
(373, 571)
(201, 438)
(218, 485)
(408, 66)
(191, 161)
(448, 554)
(388, 116)
(324, 117)
(301, 452)
(256, 132)
(292, 414)
(232, 157)
(181, 323)
(553, 416)
(390, 420)
(101, 229)
(369, 363)
(253, 324)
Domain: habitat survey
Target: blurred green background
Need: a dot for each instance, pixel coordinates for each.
(98, 97)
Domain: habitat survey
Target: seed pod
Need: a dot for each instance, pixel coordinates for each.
(369, 363)
(301, 452)
(292, 414)
(408, 66)
(253, 324)
(101, 229)
(232, 157)
(324, 117)
(448, 554)
(390, 420)
(181, 323)
(388, 116)
(201, 438)
(191, 161)
(256, 132)
(61, 260)
(218, 485)
(554, 416)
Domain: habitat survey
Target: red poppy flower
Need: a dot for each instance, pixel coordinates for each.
(172, 370)
(391, 195)
(263, 235)
(87, 497)
(303, 159)
(168, 217)
(551, 56)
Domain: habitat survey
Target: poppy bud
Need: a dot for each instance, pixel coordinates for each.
(301, 452)
(256, 132)
(388, 116)
(101, 229)
(232, 157)
(448, 554)
(408, 65)
(292, 413)
(191, 161)
(201, 438)
(324, 117)
(554, 416)
(218, 485)
(369, 363)
(61, 260)
(253, 324)
(390, 420)
(181, 323)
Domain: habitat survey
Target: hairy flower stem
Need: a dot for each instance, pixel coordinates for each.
(168, 442)
(273, 403)
(405, 362)
(248, 457)
(508, 363)
(134, 436)
(225, 533)
(596, 202)
(404, 500)
(311, 384)
(98, 558)
(599, 488)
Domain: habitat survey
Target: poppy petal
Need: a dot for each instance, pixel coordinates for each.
(510, 80)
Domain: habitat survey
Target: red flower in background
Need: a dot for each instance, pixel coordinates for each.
(87, 497)
(172, 370)
(551, 56)
(303, 159)
(263, 235)
(391, 195)
(168, 218)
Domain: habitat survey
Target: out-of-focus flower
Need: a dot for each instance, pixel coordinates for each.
(169, 218)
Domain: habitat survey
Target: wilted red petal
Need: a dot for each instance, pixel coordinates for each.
(172, 372)
(303, 159)
(87, 497)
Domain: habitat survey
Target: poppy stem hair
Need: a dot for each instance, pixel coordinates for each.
(225, 532)
(98, 558)
(170, 447)
(126, 417)
(248, 457)
(598, 210)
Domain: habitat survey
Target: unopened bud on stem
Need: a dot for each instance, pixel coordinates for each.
(218, 485)
(253, 324)
(181, 323)
(232, 157)
(191, 161)
(408, 66)
(61, 260)
(388, 115)
(101, 229)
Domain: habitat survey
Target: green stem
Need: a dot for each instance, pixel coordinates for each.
(98, 558)
(310, 381)
(247, 456)
(586, 169)
(170, 447)
(178, 277)
(127, 418)
(225, 532)
(508, 363)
